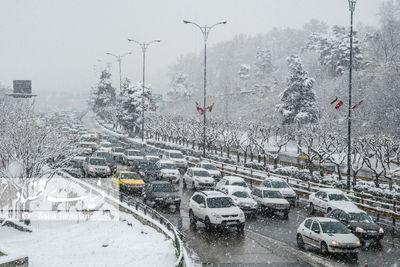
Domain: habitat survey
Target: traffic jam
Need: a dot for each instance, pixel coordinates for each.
(334, 225)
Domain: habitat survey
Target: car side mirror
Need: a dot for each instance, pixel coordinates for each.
(202, 205)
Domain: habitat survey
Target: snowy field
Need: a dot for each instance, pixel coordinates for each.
(111, 238)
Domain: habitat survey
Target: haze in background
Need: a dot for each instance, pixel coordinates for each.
(57, 43)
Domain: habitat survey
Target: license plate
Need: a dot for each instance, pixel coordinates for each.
(230, 223)
(169, 201)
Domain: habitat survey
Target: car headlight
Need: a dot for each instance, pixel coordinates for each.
(334, 242)
(360, 230)
(158, 198)
(255, 205)
(216, 215)
(91, 169)
(358, 243)
(381, 230)
(241, 215)
(108, 169)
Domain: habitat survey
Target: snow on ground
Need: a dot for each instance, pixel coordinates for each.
(103, 240)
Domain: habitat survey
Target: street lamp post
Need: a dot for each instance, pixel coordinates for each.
(119, 60)
(352, 6)
(144, 47)
(205, 30)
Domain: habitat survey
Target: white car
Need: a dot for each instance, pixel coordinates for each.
(198, 178)
(132, 155)
(327, 199)
(118, 153)
(212, 169)
(328, 235)
(271, 201)
(232, 180)
(283, 187)
(177, 157)
(241, 198)
(105, 146)
(168, 170)
(214, 208)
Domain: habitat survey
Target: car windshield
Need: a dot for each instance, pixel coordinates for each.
(167, 166)
(151, 166)
(360, 217)
(209, 167)
(272, 194)
(334, 228)
(279, 184)
(167, 187)
(242, 184)
(241, 194)
(338, 197)
(99, 162)
(129, 175)
(176, 155)
(133, 153)
(201, 173)
(103, 155)
(219, 202)
(106, 144)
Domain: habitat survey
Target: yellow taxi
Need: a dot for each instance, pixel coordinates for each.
(128, 181)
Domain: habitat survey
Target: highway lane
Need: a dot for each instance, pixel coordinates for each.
(228, 247)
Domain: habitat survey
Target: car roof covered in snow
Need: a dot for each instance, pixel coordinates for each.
(165, 161)
(350, 208)
(213, 193)
(331, 191)
(198, 169)
(234, 179)
(263, 188)
(322, 219)
(173, 151)
(234, 188)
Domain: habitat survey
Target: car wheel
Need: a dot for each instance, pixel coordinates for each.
(178, 207)
(312, 209)
(354, 257)
(184, 183)
(328, 210)
(207, 224)
(286, 215)
(194, 186)
(324, 249)
(192, 218)
(240, 228)
(300, 242)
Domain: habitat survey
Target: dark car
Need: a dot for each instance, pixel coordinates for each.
(360, 224)
(161, 193)
(109, 159)
(149, 171)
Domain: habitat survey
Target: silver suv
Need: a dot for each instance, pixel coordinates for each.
(95, 167)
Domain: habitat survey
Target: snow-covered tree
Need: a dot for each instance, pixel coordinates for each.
(130, 105)
(299, 104)
(180, 86)
(103, 95)
(334, 50)
(244, 76)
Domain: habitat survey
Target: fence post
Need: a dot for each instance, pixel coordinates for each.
(236, 169)
(308, 185)
(394, 225)
(251, 172)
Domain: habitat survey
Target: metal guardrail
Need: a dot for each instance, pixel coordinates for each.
(180, 251)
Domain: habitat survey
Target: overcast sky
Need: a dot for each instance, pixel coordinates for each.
(56, 42)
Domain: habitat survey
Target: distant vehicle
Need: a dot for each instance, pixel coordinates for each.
(283, 187)
(128, 181)
(131, 156)
(327, 199)
(198, 178)
(109, 158)
(271, 201)
(89, 137)
(215, 209)
(359, 223)
(241, 198)
(95, 167)
(74, 167)
(328, 235)
(118, 153)
(177, 157)
(87, 148)
(212, 170)
(152, 158)
(105, 146)
(149, 171)
(168, 171)
(232, 180)
(161, 193)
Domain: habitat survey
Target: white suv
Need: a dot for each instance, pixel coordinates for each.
(198, 178)
(214, 208)
(271, 201)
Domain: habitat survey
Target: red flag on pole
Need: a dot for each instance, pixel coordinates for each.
(199, 109)
(338, 103)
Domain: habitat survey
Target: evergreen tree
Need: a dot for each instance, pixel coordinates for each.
(299, 104)
(103, 96)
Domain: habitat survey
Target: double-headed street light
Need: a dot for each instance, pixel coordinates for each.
(119, 59)
(144, 46)
(205, 30)
(352, 7)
